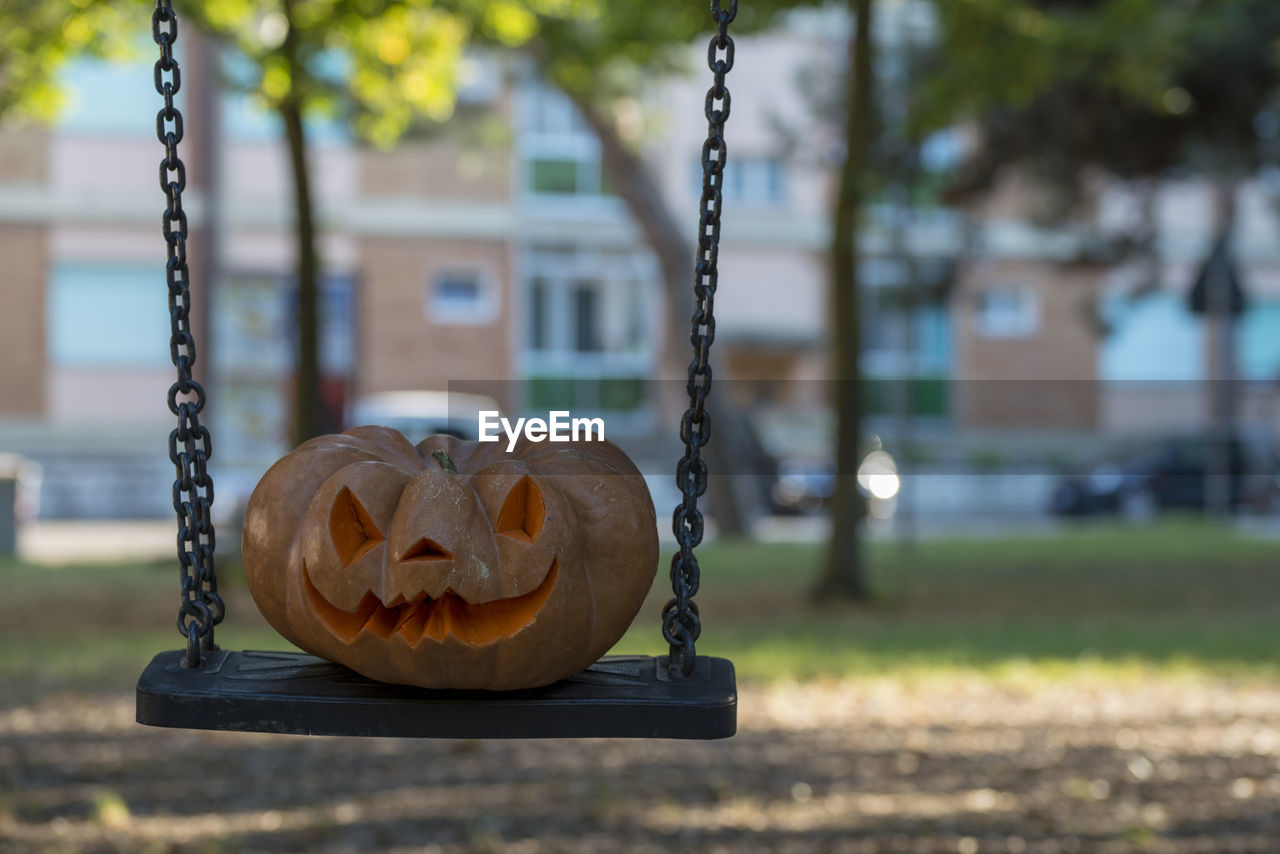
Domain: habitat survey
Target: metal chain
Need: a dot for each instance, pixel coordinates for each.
(189, 446)
(681, 625)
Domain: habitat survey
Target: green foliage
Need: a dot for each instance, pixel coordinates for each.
(403, 63)
(382, 64)
(377, 62)
(1131, 87)
(607, 53)
(387, 64)
(38, 36)
(1010, 53)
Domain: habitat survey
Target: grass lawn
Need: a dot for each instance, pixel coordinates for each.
(1180, 596)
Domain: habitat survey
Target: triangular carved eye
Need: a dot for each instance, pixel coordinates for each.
(523, 512)
(352, 528)
(426, 549)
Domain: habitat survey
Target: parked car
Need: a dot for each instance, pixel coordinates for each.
(1170, 476)
(797, 447)
(419, 414)
(416, 414)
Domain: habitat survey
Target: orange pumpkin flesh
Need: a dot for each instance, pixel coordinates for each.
(424, 617)
(506, 570)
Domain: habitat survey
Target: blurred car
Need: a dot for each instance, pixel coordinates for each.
(416, 414)
(419, 414)
(797, 447)
(1171, 476)
(801, 485)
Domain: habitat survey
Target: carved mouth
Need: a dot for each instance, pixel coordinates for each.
(424, 617)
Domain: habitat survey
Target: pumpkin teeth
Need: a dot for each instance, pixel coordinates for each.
(438, 619)
(408, 611)
(344, 624)
(423, 617)
(411, 627)
(381, 622)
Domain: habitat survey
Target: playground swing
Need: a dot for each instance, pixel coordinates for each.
(679, 695)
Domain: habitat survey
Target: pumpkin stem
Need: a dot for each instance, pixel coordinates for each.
(443, 459)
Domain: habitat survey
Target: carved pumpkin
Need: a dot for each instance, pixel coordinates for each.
(453, 564)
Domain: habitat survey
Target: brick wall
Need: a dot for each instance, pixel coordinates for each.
(23, 363)
(400, 345)
(442, 169)
(23, 155)
(1043, 379)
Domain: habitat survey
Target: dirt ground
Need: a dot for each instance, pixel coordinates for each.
(965, 764)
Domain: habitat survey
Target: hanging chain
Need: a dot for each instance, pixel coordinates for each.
(680, 623)
(189, 447)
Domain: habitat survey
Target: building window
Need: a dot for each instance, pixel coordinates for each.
(588, 344)
(254, 333)
(750, 180)
(1260, 341)
(549, 112)
(561, 155)
(460, 296)
(1007, 312)
(106, 99)
(565, 177)
(539, 335)
(551, 176)
(1155, 338)
(586, 317)
(107, 317)
(904, 335)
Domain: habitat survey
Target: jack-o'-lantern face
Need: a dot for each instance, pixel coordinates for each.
(514, 570)
(431, 556)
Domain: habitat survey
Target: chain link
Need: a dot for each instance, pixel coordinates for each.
(189, 447)
(681, 625)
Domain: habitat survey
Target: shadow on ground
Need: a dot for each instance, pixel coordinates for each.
(954, 765)
(1109, 691)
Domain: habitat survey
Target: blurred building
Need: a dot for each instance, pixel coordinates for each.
(1057, 333)
(493, 250)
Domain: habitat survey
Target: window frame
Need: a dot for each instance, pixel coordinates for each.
(1007, 325)
(487, 304)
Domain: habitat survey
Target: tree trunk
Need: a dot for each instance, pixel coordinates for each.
(844, 575)
(1222, 357)
(308, 419)
(730, 486)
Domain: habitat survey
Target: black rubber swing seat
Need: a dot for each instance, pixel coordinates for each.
(291, 692)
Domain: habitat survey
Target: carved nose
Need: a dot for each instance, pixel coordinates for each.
(440, 540)
(426, 549)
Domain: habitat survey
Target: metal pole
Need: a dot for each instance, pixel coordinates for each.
(1222, 362)
(897, 119)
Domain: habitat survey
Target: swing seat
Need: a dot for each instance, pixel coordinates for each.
(292, 692)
